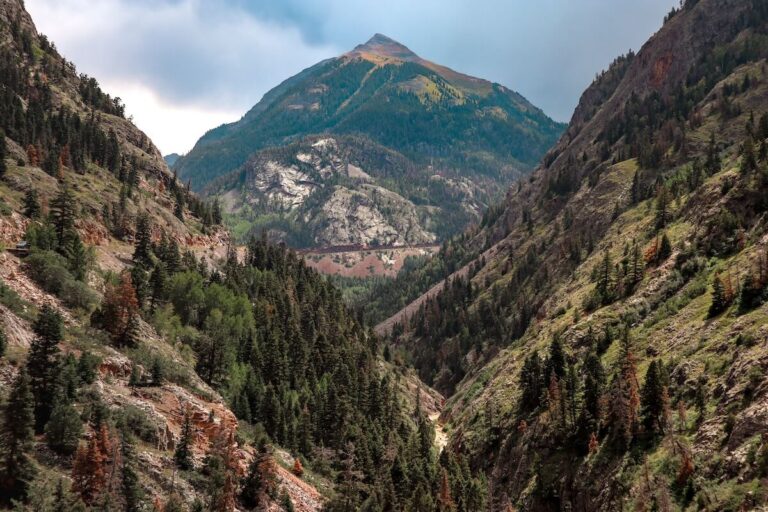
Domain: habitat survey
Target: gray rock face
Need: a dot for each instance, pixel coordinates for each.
(324, 191)
(370, 215)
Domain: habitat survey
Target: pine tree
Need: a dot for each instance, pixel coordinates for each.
(64, 429)
(142, 254)
(604, 286)
(3, 341)
(556, 360)
(531, 383)
(662, 208)
(444, 499)
(3, 155)
(624, 400)
(16, 439)
(31, 203)
(158, 284)
(63, 216)
(183, 454)
(120, 311)
(77, 257)
(654, 399)
(748, 158)
(665, 248)
(635, 192)
(130, 485)
(89, 471)
(712, 163)
(221, 468)
(261, 478)
(43, 363)
(719, 299)
(593, 444)
(634, 270)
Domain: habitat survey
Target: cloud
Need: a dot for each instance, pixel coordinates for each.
(216, 58)
(167, 57)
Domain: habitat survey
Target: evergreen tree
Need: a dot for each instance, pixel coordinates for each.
(556, 360)
(712, 163)
(748, 158)
(89, 471)
(3, 341)
(31, 203)
(17, 436)
(260, 480)
(77, 257)
(653, 399)
(444, 499)
(636, 194)
(221, 468)
(178, 209)
(665, 248)
(719, 299)
(142, 254)
(662, 208)
(43, 363)
(531, 383)
(64, 429)
(158, 284)
(158, 372)
(594, 384)
(624, 400)
(131, 487)
(63, 216)
(605, 281)
(297, 469)
(183, 454)
(3, 155)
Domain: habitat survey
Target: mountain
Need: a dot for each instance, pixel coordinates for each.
(171, 159)
(427, 112)
(147, 365)
(325, 191)
(602, 336)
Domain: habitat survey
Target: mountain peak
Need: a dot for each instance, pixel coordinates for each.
(383, 46)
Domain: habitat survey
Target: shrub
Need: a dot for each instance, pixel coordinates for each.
(49, 270)
(76, 294)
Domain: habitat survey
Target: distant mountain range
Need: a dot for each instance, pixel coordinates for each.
(478, 134)
(171, 159)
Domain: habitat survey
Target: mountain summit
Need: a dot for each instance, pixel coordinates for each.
(462, 125)
(383, 46)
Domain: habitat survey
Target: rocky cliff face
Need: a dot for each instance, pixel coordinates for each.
(335, 191)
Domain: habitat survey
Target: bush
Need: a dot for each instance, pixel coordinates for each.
(64, 429)
(49, 270)
(139, 423)
(76, 294)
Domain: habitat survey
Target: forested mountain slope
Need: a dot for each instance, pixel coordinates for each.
(143, 366)
(611, 352)
(430, 148)
(384, 91)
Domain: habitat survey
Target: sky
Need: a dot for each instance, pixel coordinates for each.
(185, 66)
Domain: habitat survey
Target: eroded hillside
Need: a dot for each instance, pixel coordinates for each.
(609, 352)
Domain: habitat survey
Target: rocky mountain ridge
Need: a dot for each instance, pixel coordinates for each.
(615, 255)
(340, 191)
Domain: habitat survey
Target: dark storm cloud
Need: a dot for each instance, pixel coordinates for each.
(223, 55)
